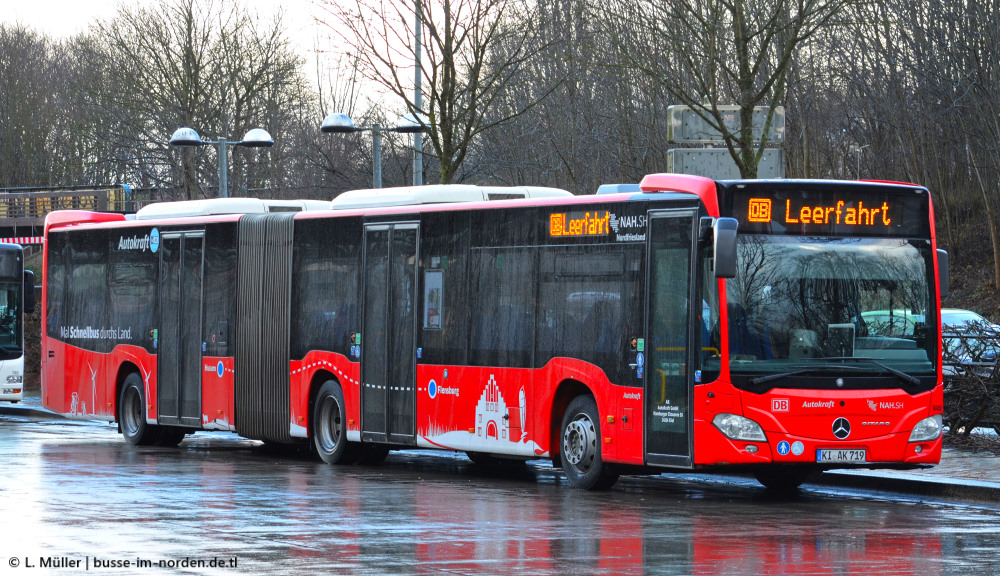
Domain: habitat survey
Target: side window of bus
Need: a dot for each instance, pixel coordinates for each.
(86, 304)
(444, 315)
(133, 288)
(220, 289)
(55, 284)
(503, 289)
(588, 306)
(325, 287)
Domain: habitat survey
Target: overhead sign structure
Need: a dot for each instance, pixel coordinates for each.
(716, 163)
(686, 126)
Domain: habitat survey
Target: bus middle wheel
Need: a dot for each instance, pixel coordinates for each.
(132, 413)
(330, 426)
(580, 447)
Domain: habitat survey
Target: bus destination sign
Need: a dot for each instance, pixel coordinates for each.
(583, 224)
(760, 210)
(851, 210)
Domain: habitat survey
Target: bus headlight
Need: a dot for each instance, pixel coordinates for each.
(739, 428)
(927, 429)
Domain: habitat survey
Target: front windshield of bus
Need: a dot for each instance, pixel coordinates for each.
(804, 307)
(10, 319)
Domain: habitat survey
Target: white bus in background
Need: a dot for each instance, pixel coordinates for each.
(17, 298)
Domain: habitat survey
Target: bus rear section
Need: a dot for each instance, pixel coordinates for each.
(17, 297)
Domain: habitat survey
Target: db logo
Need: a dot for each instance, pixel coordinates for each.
(779, 404)
(759, 210)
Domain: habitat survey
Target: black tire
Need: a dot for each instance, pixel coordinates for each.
(132, 413)
(329, 426)
(784, 479)
(492, 461)
(373, 454)
(170, 436)
(483, 459)
(580, 447)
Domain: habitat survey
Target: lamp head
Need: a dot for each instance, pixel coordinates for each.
(409, 125)
(257, 138)
(185, 136)
(338, 122)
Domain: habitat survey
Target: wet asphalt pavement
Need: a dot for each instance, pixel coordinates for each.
(74, 498)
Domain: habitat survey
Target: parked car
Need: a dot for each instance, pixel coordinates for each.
(971, 347)
(969, 340)
(958, 319)
(891, 323)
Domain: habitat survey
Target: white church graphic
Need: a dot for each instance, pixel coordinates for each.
(490, 416)
(499, 428)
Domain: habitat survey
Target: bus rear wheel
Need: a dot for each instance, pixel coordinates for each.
(330, 426)
(580, 447)
(170, 436)
(132, 413)
(372, 454)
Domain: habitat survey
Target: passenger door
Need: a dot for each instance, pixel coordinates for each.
(178, 363)
(668, 351)
(388, 358)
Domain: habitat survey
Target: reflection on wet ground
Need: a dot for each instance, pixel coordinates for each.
(76, 491)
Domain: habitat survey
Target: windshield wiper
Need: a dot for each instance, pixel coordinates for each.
(770, 377)
(814, 368)
(895, 372)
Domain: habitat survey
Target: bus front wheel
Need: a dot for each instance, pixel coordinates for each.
(132, 413)
(784, 479)
(330, 426)
(580, 447)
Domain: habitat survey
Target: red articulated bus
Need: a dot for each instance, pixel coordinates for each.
(776, 327)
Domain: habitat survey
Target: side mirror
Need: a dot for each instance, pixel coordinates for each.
(942, 258)
(725, 247)
(29, 292)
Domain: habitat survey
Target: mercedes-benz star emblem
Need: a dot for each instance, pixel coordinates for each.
(841, 428)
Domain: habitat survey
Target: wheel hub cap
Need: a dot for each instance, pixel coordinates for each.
(580, 442)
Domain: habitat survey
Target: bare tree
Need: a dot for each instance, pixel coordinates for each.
(27, 107)
(600, 124)
(208, 65)
(462, 80)
(710, 52)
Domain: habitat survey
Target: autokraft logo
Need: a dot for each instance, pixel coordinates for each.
(817, 404)
(841, 428)
(149, 242)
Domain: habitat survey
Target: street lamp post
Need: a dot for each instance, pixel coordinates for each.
(255, 138)
(859, 150)
(339, 123)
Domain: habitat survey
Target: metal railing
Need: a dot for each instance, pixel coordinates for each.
(22, 207)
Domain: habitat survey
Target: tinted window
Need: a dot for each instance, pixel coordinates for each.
(589, 306)
(444, 265)
(55, 283)
(132, 293)
(507, 227)
(325, 285)
(220, 290)
(86, 314)
(502, 285)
